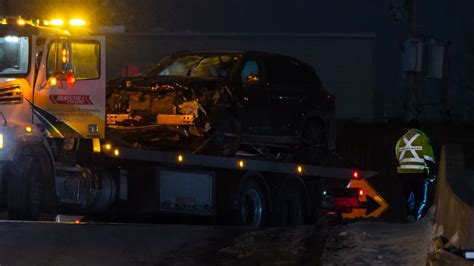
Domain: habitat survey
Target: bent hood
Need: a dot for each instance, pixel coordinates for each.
(152, 82)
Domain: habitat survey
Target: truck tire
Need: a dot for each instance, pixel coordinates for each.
(25, 190)
(224, 139)
(313, 147)
(291, 205)
(252, 206)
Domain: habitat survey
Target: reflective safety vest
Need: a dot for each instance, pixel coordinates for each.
(412, 151)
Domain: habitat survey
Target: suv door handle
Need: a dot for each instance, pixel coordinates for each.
(292, 98)
(286, 98)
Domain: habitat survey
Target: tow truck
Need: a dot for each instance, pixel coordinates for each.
(56, 156)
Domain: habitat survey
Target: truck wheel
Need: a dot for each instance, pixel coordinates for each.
(224, 139)
(313, 147)
(252, 206)
(291, 206)
(25, 190)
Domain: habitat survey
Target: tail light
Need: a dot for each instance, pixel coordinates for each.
(346, 199)
(356, 175)
(346, 204)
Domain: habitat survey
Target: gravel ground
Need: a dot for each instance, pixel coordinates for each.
(362, 243)
(301, 245)
(43, 243)
(377, 243)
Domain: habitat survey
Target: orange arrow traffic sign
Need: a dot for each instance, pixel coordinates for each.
(372, 204)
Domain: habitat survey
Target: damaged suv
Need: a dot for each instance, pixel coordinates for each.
(219, 102)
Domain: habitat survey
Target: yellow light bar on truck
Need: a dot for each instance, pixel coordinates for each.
(74, 22)
(56, 22)
(77, 22)
(1, 141)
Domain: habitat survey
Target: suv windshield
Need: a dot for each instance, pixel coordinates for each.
(220, 66)
(13, 55)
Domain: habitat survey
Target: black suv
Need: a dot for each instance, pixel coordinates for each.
(219, 102)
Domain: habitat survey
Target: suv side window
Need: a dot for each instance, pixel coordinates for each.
(277, 71)
(287, 71)
(250, 67)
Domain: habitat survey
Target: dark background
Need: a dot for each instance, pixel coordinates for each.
(449, 20)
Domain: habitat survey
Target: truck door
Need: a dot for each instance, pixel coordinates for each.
(69, 97)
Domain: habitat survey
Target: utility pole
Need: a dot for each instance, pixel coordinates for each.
(411, 11)
(410, 105)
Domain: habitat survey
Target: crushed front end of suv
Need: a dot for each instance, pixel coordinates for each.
(218, 102)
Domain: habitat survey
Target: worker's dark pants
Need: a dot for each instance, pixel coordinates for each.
(415, 193)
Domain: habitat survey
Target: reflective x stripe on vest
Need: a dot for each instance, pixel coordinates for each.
(415, 163)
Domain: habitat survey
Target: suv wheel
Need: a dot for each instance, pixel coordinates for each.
(313, 148)
(224, 139)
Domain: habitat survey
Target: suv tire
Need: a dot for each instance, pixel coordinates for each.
(224, 138)
(313, 148)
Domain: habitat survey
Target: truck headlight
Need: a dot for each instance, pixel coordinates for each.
(1, 141)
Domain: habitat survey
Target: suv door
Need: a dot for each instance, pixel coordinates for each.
(254, 98)
(78, 110)
(289, 94)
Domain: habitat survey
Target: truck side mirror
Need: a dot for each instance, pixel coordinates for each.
(65, 55)
(59, 63)
(60, 55)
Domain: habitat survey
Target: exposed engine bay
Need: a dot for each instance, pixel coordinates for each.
(154, 112)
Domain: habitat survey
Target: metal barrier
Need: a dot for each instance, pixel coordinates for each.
(454, 216)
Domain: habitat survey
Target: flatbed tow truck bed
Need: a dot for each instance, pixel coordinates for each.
(236, 190)
(236, 163)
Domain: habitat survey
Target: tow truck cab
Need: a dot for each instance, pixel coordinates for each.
(52, 96)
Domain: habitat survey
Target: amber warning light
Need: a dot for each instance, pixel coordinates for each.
(77, 22)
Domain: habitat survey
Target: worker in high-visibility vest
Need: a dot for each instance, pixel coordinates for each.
(416, 168)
